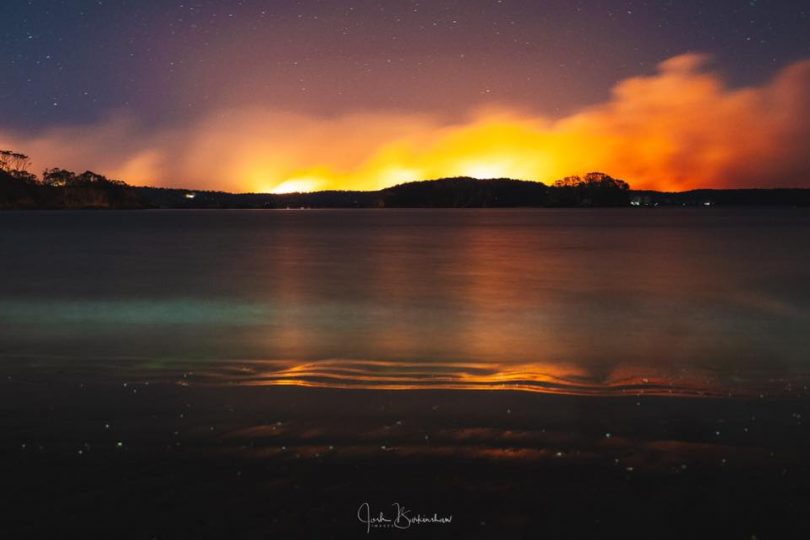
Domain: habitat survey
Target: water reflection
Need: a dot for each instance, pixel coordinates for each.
(552, 378)
(689, 302)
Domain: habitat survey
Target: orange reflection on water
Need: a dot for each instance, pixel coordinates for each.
(400, 375)
(565, 302)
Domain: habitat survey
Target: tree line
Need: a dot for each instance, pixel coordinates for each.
(62, 188)
(59, 188)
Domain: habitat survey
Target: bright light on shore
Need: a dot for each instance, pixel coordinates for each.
(296, 185)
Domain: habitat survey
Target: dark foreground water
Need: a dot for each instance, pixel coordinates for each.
(548, 373)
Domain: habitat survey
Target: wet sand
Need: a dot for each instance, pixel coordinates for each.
(118, 457)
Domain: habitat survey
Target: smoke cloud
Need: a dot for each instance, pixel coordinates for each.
(679, 128)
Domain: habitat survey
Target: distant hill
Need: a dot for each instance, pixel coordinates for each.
(65, 190)
(593, 190)
(461, 192)
(464, 192)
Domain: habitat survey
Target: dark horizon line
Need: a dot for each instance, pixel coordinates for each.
(428, 180)
(64, 189)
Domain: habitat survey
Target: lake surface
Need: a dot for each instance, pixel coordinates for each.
(267, 374)
(574, 301)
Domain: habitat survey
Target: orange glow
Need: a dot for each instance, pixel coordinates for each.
(399, 375)
(677, 129)
(295, 185)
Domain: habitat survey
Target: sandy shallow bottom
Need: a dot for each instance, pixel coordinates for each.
(126, 457)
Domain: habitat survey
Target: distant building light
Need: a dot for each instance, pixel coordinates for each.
(190, 195)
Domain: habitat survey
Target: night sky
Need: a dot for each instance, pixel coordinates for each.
(315, 94)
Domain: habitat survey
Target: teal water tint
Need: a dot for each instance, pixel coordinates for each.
(703, 298)
(135, 312)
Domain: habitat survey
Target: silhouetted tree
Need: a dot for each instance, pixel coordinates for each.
(594, 189)
(90, 178)
(58, 177)
(13, 162)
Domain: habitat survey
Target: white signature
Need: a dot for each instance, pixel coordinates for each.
(401, 519)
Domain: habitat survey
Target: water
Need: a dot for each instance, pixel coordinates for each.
(684, 301)
(264, 374)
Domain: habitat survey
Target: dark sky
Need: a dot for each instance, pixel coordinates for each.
(76, 60)
(280, 95)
